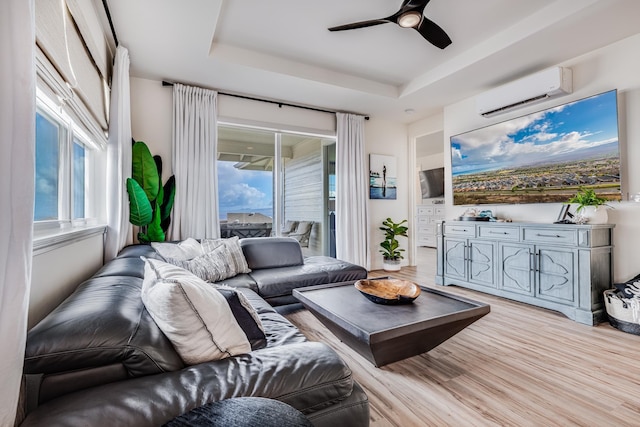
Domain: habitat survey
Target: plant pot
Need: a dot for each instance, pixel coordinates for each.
(391, 265)
(594, 214)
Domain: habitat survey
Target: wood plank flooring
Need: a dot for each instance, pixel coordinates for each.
(517, 366)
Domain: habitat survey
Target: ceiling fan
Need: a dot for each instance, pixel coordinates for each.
(410, 15)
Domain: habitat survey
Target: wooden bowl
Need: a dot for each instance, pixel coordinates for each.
(388, 291)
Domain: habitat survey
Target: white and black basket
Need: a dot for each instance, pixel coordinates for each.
(623, 306)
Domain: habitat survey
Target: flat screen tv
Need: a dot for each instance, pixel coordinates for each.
(432, 183)
(541, 157)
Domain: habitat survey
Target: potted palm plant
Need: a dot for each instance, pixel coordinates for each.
(591, 207)
(391, 251)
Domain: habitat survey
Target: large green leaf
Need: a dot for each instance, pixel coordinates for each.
(140, 211)
(154, 231)
(169, 196)
(158, 161)
(144, 169)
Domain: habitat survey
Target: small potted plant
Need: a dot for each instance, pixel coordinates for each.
(591, 207)
(391, 252)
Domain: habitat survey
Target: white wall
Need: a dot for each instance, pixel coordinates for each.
(613, 67)
(151, 116)
(151, 122)
(56, 273)
(388, 138)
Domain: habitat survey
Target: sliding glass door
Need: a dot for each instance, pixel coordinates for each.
(274, 183)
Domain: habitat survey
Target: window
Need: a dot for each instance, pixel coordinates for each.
(64, 159)
(78, 179)
(48, 137)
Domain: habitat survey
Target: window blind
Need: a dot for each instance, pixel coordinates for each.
(59, 37)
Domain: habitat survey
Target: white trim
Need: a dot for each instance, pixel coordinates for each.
(60, 238)
(68, 100)
(273, 127)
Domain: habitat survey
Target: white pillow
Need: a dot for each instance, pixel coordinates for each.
(235, 250)
(183, 251)
(192, 314)
(213, 266)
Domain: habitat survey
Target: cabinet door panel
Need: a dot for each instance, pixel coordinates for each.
(516, 272)
(481, 257)
(455, 251)
(555, 273)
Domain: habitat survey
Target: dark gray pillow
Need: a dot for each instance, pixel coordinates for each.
(246, 317)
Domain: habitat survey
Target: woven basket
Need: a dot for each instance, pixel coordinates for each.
(623, 313)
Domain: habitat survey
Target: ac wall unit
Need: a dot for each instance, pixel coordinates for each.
(526, 91)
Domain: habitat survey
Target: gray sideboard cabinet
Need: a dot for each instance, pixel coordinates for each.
(562, 267)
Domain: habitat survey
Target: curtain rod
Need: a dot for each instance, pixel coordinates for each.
(113, 30)
(269, 101)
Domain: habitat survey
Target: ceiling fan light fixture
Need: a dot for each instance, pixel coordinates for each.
(409, 19)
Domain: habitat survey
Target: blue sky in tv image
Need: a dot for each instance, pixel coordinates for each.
(547, 149)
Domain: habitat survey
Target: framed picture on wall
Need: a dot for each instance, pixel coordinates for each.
(382, 177)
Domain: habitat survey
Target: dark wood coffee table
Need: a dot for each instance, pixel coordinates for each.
(388, 333)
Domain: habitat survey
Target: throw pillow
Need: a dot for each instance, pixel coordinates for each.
(233, 244)
(628, 290)
(246, 316)
(194, 316)
(304, 227)
(289, 227)
(183, 251)
(213, 266)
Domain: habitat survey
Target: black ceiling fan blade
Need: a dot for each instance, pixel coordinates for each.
(433, 33)
(361, 24)
(415, 4)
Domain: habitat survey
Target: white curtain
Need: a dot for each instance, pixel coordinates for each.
(352, 216)
(119, 231)
(17, 168)
(195, 140)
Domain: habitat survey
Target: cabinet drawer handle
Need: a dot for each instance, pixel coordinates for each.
(498, 232)
(459, 229)
(549, 235)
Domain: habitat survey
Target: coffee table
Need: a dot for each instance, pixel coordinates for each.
(387, 333)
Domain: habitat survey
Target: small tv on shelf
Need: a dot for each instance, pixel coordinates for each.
(543, 157)
(432, 183)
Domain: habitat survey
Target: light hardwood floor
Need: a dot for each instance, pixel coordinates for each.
(517, 366)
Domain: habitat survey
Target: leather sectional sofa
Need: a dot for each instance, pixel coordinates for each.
(100, 359)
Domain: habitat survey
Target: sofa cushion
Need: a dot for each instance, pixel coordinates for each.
(182, 251)
(212, 266)
(136, 251)
(273, 252)
(289, 227)
(246, 316)
(102, 323)
(274, 282)
(235, 252)
(337, 270)
(133, 267)
(309, 376)
(239, 281)
(192, 314)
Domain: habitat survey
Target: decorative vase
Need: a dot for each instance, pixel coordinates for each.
(391, 264)
(594, 214)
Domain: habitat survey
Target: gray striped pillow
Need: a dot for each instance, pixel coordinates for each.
(213, 266)
(233, 244)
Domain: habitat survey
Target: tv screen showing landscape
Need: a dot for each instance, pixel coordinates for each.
(541, 157)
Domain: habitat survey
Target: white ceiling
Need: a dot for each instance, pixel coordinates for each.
(282, 50)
